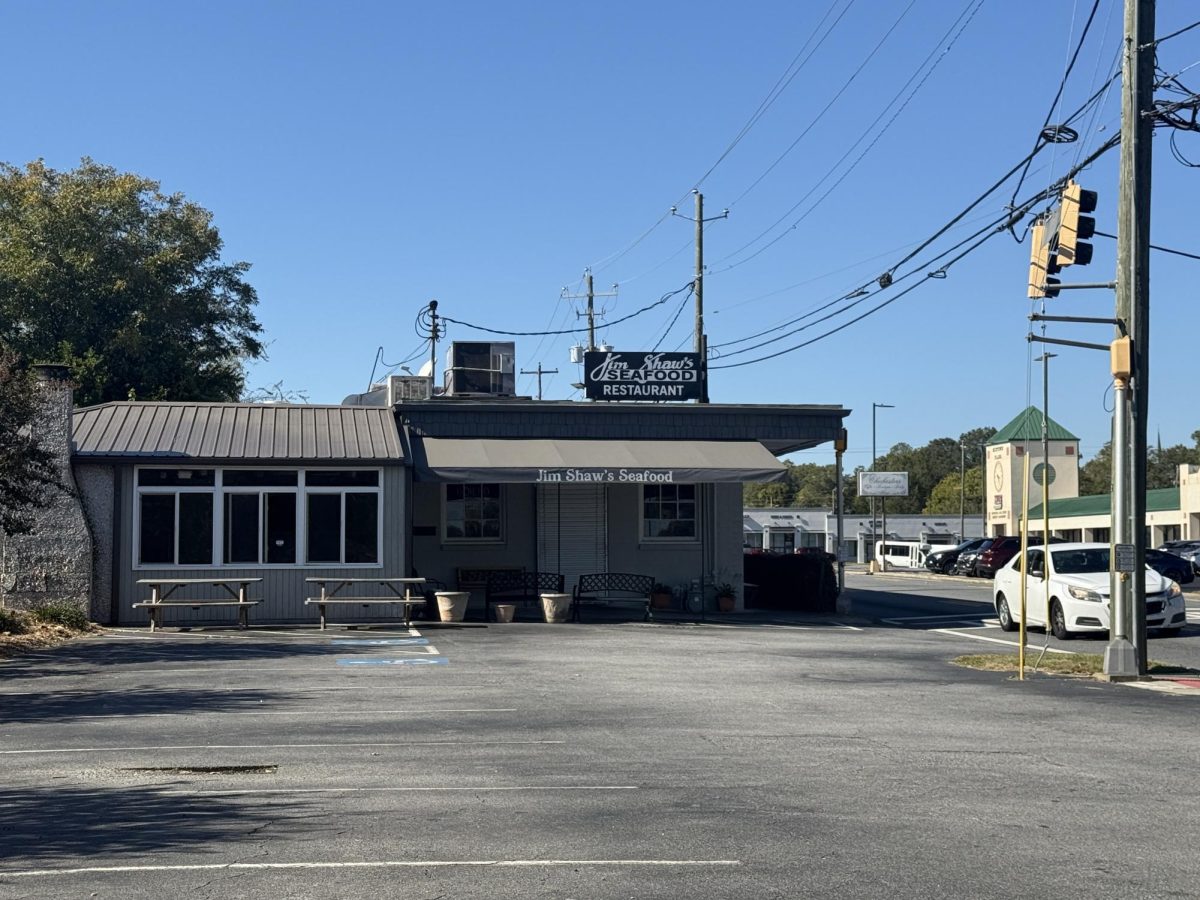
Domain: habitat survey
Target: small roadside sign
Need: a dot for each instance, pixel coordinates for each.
(1126, 558)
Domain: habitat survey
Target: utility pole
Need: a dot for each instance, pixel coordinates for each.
(1133, 308)
(698, 288)
(839, 447)
(539, 372)
(429, 327)
(591, 295)
(962, 491)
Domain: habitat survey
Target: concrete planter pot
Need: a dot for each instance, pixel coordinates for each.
(660, 600)
(556, 607)
(726, 603)
(505, 612)
(452, 605)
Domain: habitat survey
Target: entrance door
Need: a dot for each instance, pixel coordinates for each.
(572, 530)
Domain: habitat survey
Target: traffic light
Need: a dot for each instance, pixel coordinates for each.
(1074, 228)
(1042, 265)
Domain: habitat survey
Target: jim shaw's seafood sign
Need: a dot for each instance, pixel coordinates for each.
(613, 375)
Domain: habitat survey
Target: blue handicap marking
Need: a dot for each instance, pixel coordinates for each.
(412, 661)
(379, 642)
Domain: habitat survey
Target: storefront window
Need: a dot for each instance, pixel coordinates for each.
(669, 512)
(473, 512)
(258, 517)
(783, 541)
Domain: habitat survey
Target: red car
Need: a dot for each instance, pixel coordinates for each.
(1002, 550)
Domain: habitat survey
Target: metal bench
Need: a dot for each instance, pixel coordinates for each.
(514, 586)
(607, 588)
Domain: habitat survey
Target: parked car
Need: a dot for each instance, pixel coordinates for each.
(943, 559)
(965, 564)
(1002, 550)
(1179, 547)
(1079, 587)
(1177, 568)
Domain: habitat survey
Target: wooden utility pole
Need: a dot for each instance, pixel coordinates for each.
(591, 296)
(1133, 307)
(698, 288)
(539, 372)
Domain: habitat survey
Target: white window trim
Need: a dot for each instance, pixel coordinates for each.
(218, 492)
(643, 538)
(446, 540)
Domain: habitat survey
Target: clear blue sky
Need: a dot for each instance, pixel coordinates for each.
(366, 157)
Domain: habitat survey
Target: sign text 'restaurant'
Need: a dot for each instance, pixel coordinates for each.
(613, 375)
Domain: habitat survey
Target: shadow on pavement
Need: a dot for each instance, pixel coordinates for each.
(63, 706)
(63, 825)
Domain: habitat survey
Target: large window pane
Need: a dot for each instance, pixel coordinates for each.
(279, 535)
(241, 528)
(157, 541)
(324, 526)
(362, 528)
(195, 529)
(474, 512)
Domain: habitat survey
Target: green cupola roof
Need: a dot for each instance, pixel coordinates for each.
(1028, 427)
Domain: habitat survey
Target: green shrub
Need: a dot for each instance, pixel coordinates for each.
(62, 614)
(11, 621)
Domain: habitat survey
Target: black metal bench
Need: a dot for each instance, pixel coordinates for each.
(607, 588)
(514, 586)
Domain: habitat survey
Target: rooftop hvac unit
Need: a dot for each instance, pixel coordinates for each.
(408, 387)
(481, 369)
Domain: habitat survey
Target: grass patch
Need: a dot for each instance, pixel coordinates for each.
(49, 626)
(1057, 664)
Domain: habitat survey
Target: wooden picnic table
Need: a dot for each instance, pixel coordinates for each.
(161, 590)
(332, 586)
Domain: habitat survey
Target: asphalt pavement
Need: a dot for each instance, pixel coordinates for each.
(773, 756)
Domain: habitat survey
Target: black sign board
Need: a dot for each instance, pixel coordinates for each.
(617, 375)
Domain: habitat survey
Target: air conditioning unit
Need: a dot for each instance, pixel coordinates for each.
(408, 387)
(481, 369)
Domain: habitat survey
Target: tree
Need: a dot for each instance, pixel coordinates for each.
(947, 498)
(26, 470)
(102, 272)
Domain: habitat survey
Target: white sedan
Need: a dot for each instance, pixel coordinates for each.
(1078, 580)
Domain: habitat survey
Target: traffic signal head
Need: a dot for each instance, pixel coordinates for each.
(1042, 265)
(1074, 227)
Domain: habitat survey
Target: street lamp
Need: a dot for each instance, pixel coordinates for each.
(882, 500)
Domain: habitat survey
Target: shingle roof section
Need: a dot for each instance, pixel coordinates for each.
(237, 431)
(1157, 500)
(1028, 427)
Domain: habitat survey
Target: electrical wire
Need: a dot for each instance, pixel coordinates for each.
(1062, 84)
(1173, 34)
(938, 273)
(682, 304)
(845, 86)
(967, 9)
(659, 302)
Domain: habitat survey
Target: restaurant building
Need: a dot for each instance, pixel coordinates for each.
(403, 480)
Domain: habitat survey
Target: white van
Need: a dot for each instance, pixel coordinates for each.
(904, 554)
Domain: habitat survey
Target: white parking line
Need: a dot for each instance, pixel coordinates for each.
(255, 711)
(992, 640)
(377, 864)
(276, 746)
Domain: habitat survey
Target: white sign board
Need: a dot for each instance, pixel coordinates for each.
(883, 484)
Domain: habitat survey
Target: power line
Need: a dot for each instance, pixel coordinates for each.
(659, 302)
(1173, 34)
(1154, 246)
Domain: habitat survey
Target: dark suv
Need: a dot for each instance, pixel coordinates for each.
(1002, 550)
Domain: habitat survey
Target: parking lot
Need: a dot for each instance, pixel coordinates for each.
(810, 757)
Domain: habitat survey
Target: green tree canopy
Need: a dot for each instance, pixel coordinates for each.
(102, 272)
(25, 469)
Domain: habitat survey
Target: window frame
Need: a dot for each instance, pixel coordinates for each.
(218, 491)
(669, 540)
(502, 499)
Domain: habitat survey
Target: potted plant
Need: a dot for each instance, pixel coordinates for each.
(660, 596)
(726, 597)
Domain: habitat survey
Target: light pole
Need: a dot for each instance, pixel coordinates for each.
(962, 491)
(882, 500)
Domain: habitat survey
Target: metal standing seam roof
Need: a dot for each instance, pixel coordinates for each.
(248, 432)
(1027, 426)
(1157, 500)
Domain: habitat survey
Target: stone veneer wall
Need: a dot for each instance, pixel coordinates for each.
(53, 563)
(95, 485)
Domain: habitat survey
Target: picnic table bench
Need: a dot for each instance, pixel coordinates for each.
(161, 590)
(607, 588)
(331, 587)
